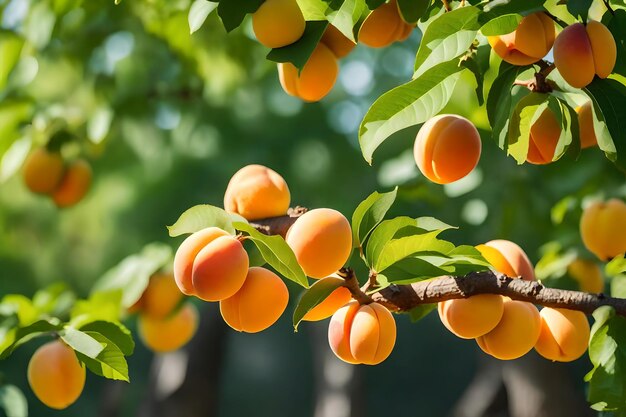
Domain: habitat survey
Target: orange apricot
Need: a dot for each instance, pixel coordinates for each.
(528, 43)
(316, 79)
(447, 148)
(169, 333)
(337, 42)
(544, 136)
(585, 125)
(160, 297)
(256, 192)
(258, 304)
(508, 258)
(602, 227)
(219, 269)
(321, 239)
(581, 52)
(564, 335)
(587, 274)
(382, 26)
(472, 317)
(278, 23)
(55, 375)
(362, 333)
(74, 185)
(43, 171)
(516, 333)
(335, 300)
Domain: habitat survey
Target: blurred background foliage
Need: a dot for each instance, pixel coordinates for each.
(166, 118)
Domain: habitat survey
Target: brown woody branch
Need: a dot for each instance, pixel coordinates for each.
(278, 225)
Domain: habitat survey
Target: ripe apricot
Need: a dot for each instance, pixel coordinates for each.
(544, 136)
(321, 239)
(564, 335)
(362, 333)
(257, 192)
(472, 317)
(337, 42)
(74, 185)
(382, 26)
(278, 23)
(43, 171)
(516, 333)
(447, 148)
(170, 333)
(335, 300)
(160, 297)
(508, 258)
(258, 304)
(585, 126)
(219, 269)
(581, 52)
(527, 44)
(316, 79)
(602, 228)
(587, 274)
(55, 375)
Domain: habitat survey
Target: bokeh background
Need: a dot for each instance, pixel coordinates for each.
(166, 118)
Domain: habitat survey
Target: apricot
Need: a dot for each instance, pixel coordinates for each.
(516, 333)
(447, 148)
(170, 333)
(257, 192)
(581, 52)
(382, 26)
(528, 43)
(337, 42)
(43, 171)
(362, 333)
(564, 335)
(55, 375)
(587, 274)
(508, 258)
(335, 300)
(472, 317)
(161, 296)
(585, 126)
(316, 79)
(321, 239)
(602, 228)
(258, 304)
(544, 136)
(278, 23)
(74, 185)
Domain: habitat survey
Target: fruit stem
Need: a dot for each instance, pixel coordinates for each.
(352, 284)
(446, 5)
(608, 6)
(557, 20)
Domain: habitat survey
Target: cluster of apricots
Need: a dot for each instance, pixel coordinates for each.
(602, 226)
(508, 329)
(278, 23)
(45, 172)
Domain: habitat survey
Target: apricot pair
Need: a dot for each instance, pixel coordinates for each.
(55, 375)
(210, 264)
(447, 148)
(362, 333)
(384, 26)
(602, 227)
(528, 43)
(315, 80)
(257, 192)
(582, 52)
(45, 173)
(278, 23)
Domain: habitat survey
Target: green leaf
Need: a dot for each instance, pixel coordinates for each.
(276, 253)
(313, 9)
(615, 267)
(617, 26)
(403, 247)
(13, 401)
(471, 63)
(383, 233)
(579, 8)
(430, 223)
(10, 51)
(115, 331)
(82, 342)
(500, 101)
(412, 10)
(110, 363)
(495, 8)
(501, 25)
(618, 286)
(347, 16)
(407, 105)
(313, 296)
(413, 269)
(199, 11)
(17, 336)
(374, 4)
(370, 213)
(299, 52)
(55, 300)
(200, 217)
(449, 36)
(14, 157)
(101, 305)
(421, 311)
(526, 113)
(20, 305)
(233, 12)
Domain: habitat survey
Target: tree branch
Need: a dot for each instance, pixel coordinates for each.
(278, 225)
